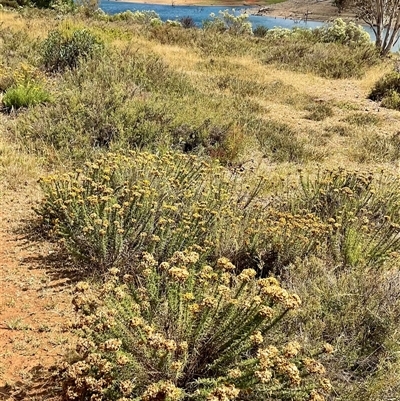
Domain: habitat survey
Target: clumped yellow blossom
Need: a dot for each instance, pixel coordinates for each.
(289, 369)
(209, 302)
(325, 384)
(234, 373)
(267, 356)
(182, 347)
(179, 274)
(315, 396)
(185, 258)
(147, 261)
(256, 338)
(188, 296)
(164, 266)
(328, 348)
(126, 387)
(292, 349)
(266, 312)
(164, 390)
(113, 344)
(247, 275)
(264, 375)
(226, 392)
(122, 360)
(82, 286)
(194, 308)
(313, 366)
(225, 264)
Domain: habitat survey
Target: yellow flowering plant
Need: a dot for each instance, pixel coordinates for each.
(182, 330)
(123, 204)
(362, 209)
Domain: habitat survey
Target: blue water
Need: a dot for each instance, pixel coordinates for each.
(199, 14)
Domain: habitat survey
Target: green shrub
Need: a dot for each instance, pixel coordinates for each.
(357, 311)
(61, 51)
(25, 96)
(181, 330)
(187, 22)
(122, 205)
(387, 90)
(17, 47)
(63, 6)
(260, 31)
(362, 209)
(89, 8)
(142, 104)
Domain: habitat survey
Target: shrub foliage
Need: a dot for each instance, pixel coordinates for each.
(182, 330)
(62, 50)
(121, 205)
(387, 91)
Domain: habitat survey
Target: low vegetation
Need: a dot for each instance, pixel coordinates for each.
(387, 91)
(230, 199)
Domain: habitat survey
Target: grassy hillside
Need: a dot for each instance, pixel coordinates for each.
(180, 158)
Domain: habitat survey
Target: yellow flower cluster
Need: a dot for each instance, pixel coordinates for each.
(165, 313)
(224, 393)
(313, 366)
(164, 390)
(179, 274)
(271, 288)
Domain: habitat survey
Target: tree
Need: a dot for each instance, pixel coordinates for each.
(383, 16)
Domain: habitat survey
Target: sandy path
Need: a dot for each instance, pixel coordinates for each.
(34, 303)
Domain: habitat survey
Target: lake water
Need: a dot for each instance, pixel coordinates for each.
(199, 13)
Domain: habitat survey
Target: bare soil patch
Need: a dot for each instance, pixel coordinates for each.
(34, 304)
(315, 10)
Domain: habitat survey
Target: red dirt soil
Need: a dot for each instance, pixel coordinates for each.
(34, 301)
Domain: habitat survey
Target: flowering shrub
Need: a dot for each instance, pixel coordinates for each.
(273, 238)
(181, 330)
(346, 33)
(363, 209)
(139, 17)
(338, 31)
(121, 205)
(225, 21)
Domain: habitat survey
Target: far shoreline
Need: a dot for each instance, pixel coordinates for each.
(193, 3)
(288, 9)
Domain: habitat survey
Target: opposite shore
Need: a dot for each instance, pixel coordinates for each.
(315, 10)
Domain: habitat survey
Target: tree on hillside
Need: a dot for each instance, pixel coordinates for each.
(383, 16)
